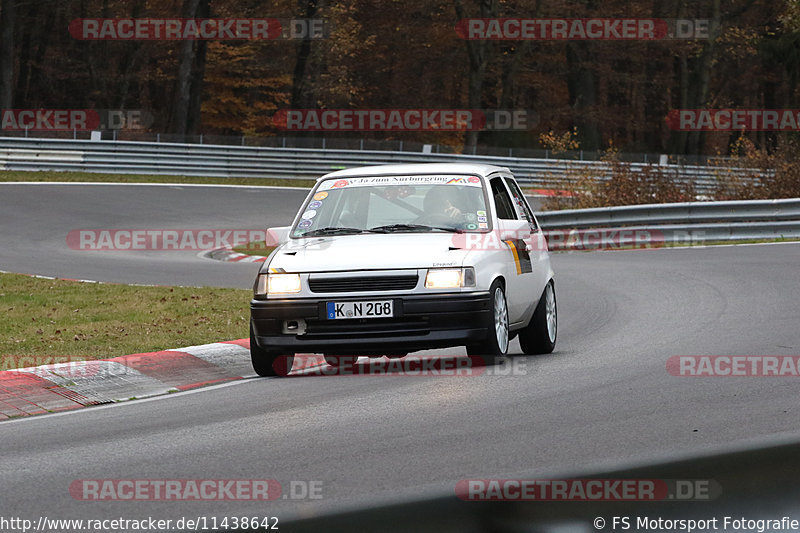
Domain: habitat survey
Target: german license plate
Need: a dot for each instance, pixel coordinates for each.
(371, 309)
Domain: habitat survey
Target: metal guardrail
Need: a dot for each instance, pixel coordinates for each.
(641, 225)
(128, 157)
(679, 213)
(680, 223)
(347, 142)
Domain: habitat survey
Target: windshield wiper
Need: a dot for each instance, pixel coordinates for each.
(331, 230)
(412, 227)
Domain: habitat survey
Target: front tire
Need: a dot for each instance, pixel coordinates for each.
(539, 336)
(497, 338)
(266, 363)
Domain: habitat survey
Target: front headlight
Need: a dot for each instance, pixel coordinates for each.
(450, 278)
(277, 284)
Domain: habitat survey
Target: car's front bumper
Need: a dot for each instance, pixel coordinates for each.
(420, 322)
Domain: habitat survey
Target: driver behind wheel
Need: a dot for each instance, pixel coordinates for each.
(437, 202)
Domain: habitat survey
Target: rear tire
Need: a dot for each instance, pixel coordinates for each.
(539, 336)
(497, 338)
(266, 363)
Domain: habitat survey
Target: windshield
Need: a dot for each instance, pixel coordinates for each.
(394, 204)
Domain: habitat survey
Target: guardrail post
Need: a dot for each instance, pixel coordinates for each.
(201, 138)
(323, 143)
(401, 145)
(362, 144)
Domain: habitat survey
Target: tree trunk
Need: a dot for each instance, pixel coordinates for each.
(183, 83)
(703, 73)
(198, 75)
(476, 51)
(695, 83)
(309, 9)
(131, 59)
(8, 23)
(583, 93)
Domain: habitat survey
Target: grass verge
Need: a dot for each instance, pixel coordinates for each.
(19, 175)
(46, 318)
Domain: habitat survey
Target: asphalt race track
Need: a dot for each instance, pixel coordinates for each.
(604, 399)
(36, 220)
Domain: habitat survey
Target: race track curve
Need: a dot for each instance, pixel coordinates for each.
(604, 399)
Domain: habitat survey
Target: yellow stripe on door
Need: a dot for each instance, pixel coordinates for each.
(516, 255)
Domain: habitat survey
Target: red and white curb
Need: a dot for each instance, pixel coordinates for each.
(73, 385)
(548, 193)
(227, 254)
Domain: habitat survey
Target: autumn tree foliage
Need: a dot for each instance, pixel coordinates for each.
(386, 54)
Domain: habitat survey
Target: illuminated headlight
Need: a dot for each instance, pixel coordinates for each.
(277, 284)
(450, 278)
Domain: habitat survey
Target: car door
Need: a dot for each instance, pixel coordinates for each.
(536, 243)
(513, 230)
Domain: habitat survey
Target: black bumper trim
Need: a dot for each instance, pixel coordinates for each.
(420, 322)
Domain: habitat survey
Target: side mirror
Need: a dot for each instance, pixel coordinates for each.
(520, 231)
(513, 229)
(277, 236)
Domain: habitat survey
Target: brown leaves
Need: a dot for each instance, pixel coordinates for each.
(772, 174)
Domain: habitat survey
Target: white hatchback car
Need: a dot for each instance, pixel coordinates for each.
(385, 260)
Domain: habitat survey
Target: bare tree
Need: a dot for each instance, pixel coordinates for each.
(183, 84)
(8, 22)
(476, 50)
(309, 9)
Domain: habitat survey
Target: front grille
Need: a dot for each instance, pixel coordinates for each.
(363, 283)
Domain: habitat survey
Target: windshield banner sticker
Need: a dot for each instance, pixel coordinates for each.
(371, 181)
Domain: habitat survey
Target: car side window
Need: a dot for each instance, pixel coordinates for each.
(502, 201)
(519, 198)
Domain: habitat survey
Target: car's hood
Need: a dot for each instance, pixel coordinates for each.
(374, 251)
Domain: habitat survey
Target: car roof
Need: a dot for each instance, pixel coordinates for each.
(476, 169)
